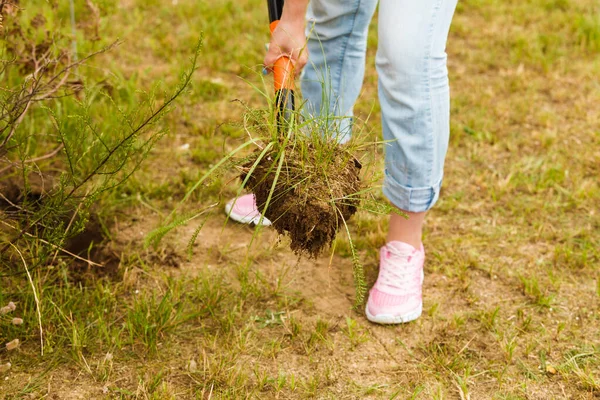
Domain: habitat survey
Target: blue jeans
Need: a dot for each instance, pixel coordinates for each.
(413, 84)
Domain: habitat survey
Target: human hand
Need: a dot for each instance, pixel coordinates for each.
(289, 40)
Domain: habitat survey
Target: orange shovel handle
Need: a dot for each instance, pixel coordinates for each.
(283, 69)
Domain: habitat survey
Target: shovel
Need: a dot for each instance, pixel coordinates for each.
(283, 75)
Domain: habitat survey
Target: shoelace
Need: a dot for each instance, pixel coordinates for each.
(402, 275)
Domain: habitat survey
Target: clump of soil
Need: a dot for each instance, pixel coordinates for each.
(311, 196)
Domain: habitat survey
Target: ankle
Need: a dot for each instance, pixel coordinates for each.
(407, 230)
(414, 241)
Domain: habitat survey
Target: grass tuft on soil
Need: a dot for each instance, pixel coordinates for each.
(302, 194)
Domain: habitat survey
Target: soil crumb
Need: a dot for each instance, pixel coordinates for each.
(315, 189)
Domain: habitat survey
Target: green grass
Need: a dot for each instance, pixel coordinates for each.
(512, 287)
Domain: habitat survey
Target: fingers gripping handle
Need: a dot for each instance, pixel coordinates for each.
(283, 69)
(283, 81)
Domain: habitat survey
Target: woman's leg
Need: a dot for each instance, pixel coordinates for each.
(415, 106)
(337, 43)
(414, 97)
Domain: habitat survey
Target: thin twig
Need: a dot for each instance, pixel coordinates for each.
(31, 97)
(55, 88)
(40, 158)
(250, 134)
(35, 296)
(90, 262)
(17, 122)
(3, 197)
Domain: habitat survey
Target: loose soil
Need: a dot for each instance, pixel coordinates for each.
(90, 243)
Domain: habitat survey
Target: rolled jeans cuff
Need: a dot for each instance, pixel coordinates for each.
(411, 199)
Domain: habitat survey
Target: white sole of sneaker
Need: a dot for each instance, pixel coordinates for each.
(388, 319)
(244, 219)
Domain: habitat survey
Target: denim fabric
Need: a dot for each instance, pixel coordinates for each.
(413, 84)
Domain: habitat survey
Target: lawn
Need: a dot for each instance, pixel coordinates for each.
(512, 273)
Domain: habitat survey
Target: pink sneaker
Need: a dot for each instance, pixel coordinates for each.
(243, 210)
(397, 297)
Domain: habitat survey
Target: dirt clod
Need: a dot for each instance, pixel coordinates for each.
(313, 194)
